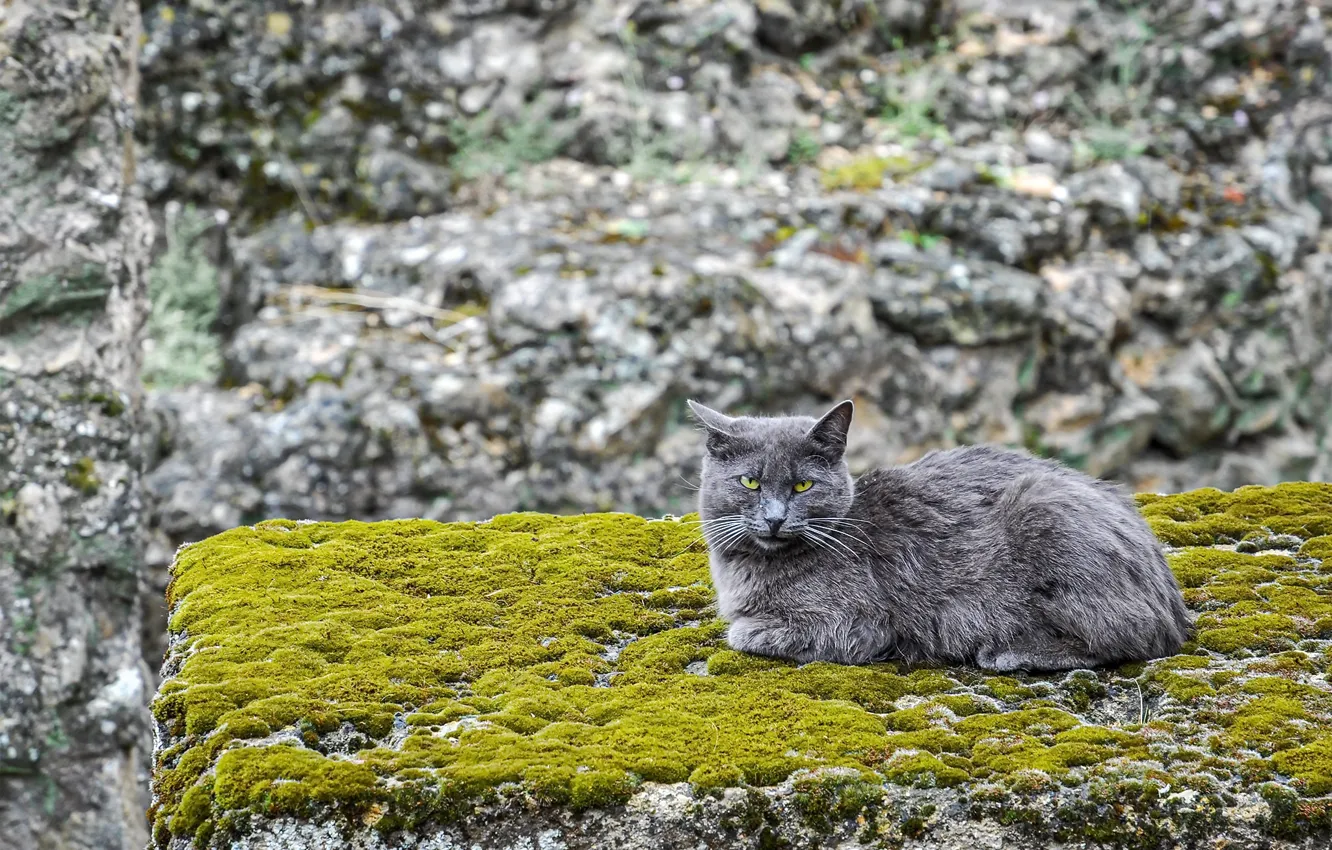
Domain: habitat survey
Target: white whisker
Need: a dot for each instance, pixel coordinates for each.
(712, 520)
(692, 543)
(725, 535)
(810, 538)
(728, 533)
(825, 535)
(729, 543)
(856, 533)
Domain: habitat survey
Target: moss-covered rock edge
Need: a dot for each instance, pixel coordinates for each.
(553, 647)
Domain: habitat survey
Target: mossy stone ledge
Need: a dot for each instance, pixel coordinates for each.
(539, 681)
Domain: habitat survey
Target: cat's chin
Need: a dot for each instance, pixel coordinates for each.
(770, 544)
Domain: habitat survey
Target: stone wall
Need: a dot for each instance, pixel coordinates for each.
(74, 236)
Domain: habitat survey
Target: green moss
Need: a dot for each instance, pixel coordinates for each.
(1017, 742)
(1320, 548)
(930, 741)
(1265, 724)
(600, 789)
(868, 172)
(1253, 602)
(699, 596)
(1291, 817)
(825, 802)
(1208, 516)
(963, 705)
(82, 476)
(1285, 663)
(1197, 567)
(364, 623)
(1309, 765)
(923, 770)
(1241, 629)
(910, 719)
(1182, 687)
(196, 808)
(716, 776)
(1006, 688)
(1037, 721)
(288, 779)
(410, 669)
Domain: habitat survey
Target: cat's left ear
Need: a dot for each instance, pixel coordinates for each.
(829, 433)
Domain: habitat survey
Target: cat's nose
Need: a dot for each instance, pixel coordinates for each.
(774, 524)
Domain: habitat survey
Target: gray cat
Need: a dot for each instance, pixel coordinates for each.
(975, 555)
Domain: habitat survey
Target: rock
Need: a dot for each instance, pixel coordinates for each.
(37, 513)
(793, 27)
(478, 687)
(398, 186)
(1291, 456)
(492, 349)
(1042, 146)
(74, 237)
(1223, 264)
(1195, 399)
(938, 300)
(1009, 228)
(1088, 310)
(1114, 197)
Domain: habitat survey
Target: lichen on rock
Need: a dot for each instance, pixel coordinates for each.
(568, 674)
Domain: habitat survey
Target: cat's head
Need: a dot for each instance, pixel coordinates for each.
(767, 481)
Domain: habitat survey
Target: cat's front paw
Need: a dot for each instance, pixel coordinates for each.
(760, 638)
(1002, 662)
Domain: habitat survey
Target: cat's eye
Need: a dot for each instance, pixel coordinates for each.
(751, 483)
(802, 486)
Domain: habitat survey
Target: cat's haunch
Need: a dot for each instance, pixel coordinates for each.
(976, 555)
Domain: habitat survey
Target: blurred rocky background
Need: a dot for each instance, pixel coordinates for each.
(454, 258)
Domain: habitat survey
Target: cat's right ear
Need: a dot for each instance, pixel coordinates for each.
(719, 426)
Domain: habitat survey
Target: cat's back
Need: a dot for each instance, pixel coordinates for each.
(981, 466)
(963, 484)
(965, 472)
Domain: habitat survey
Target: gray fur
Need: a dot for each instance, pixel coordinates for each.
(976, 555)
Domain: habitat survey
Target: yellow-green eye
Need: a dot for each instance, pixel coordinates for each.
(751, 483)
(802, 486)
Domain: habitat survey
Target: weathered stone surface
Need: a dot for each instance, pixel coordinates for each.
(74, 232)
(537, 356)
(542, 681)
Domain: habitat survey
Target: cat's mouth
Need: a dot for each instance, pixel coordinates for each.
(770, 541)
